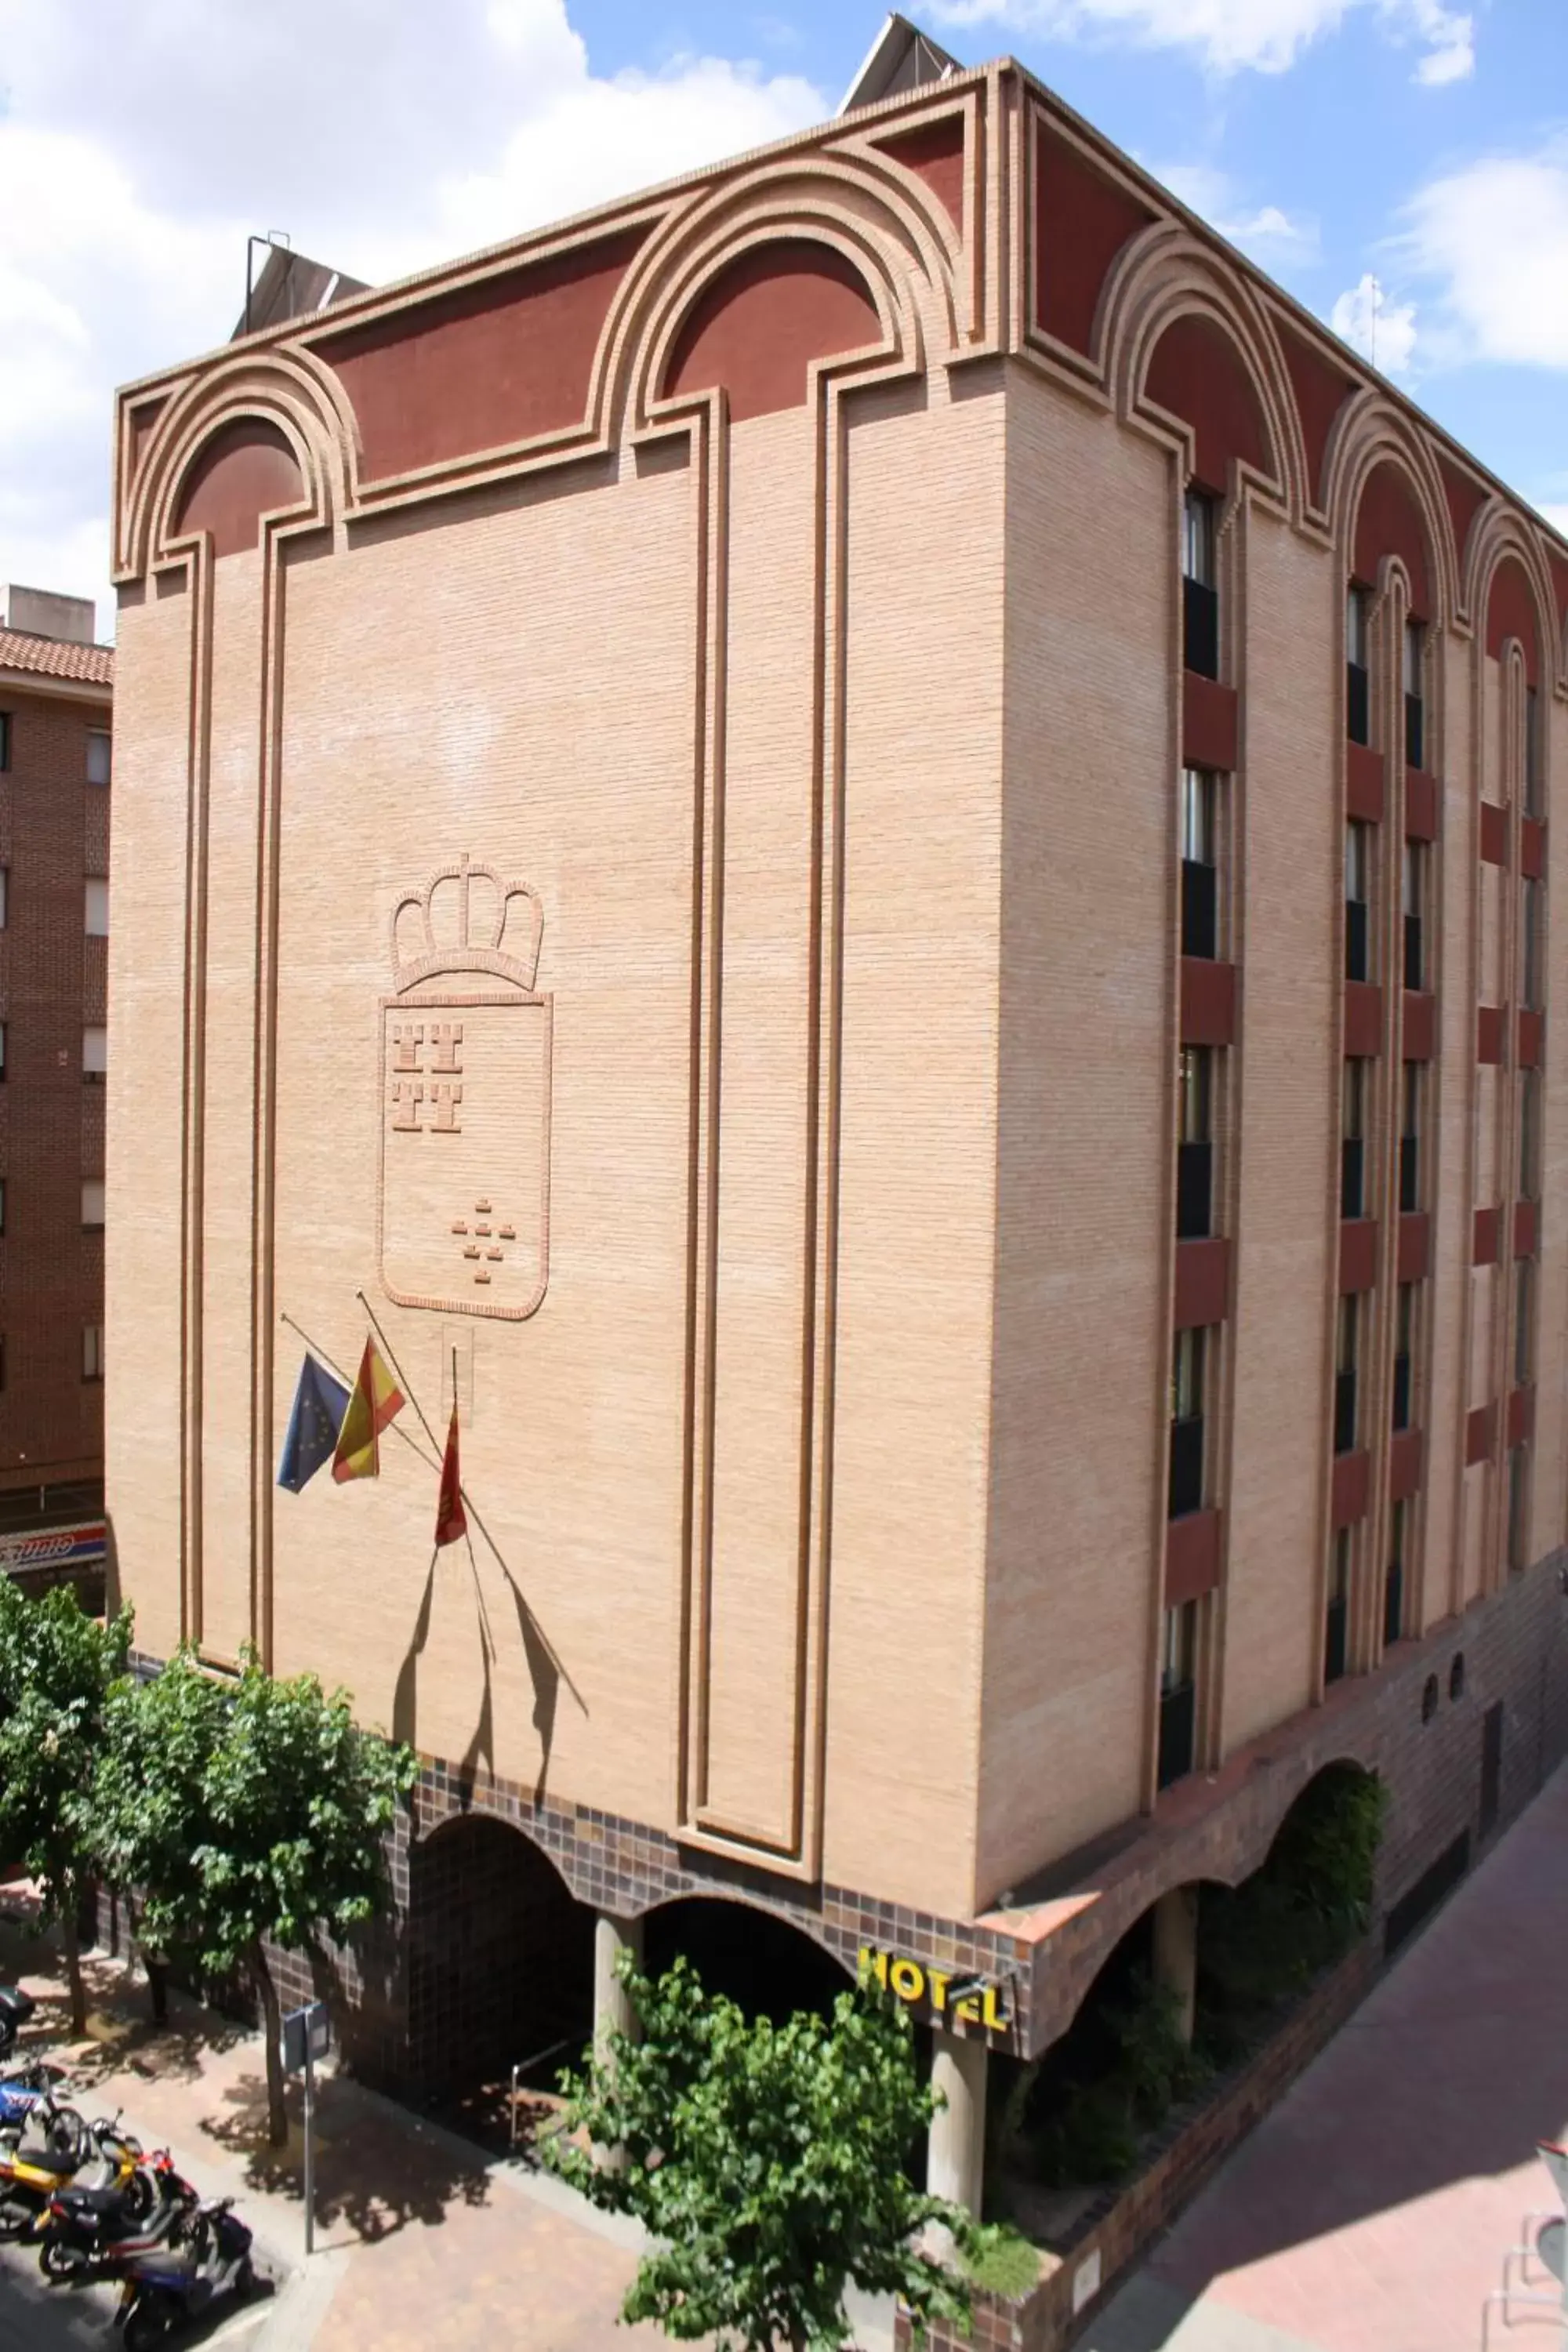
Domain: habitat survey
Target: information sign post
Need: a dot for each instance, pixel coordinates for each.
(307, 2036)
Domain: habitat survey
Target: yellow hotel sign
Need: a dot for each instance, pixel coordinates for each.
(917, 1983)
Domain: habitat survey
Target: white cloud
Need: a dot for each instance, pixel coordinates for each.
(1557, 516)
(141, 140)
(1269, 235)
(1232, 36)
(1381, 330)
(1493, 240)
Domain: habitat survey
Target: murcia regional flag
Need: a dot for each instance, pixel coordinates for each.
(376, 1401)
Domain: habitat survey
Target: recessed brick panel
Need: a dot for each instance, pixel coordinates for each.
(1494, 834)
(1421, 805)
(1357, 1252)
(1209, 722)
(1202, 1282)
(1404, 1451)
(1352, 1485)
(1208, 1002)
(1363, 1017)
(1192, 1556)
(1365, 782)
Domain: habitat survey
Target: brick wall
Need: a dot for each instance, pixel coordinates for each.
(53, 832)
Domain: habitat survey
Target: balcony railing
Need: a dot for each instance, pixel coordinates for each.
(1200, 628)
(1178, 1726)
(1195, 1191)
(1186, 1465)
(1200, 909)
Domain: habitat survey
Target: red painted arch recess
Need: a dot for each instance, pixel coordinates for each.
(1390, 522)
(1082, 220)
(483, 367)
(246, 470)
(935, 151)
(1198, 374)
(1321, 391)
(1510, 613)
(758, 326)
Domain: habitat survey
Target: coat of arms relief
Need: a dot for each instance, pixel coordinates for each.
(463, 1197)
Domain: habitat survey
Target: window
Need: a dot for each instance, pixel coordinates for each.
(1358, 884)
(1530, 1135)
(1346, 1351)
(1336, 1629)
(1518, 1502)
(4, 741)
(2, 1204)
(1415, 695)
(1194, 1147)
(1200, 877)
(1393, 1578)
(1178, 1692)
(1534, 911)
(1410, 1142)
(4, 896)
(97, 907)
(93, 1203)
(1187, 1423)
(2, 1049)
(1523, 1320)
(1200, 586)
(98, 756)
(94, 1054)
(1404, 1354)
(1415, 877)
(92, 1352)
(1358, 689)
(1533, 802)
(1352, 1131)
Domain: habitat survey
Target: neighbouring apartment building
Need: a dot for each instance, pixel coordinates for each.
(56, 688)
(865, 843)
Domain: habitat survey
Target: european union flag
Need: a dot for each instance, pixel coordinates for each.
(319, 1404)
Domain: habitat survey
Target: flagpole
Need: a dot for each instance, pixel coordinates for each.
(404, 1382)
(317, 1350)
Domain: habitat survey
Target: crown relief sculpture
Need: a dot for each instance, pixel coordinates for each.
(465, 924)
(463, 1191)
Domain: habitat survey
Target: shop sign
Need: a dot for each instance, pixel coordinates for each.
(952, 1993)
(52, 1547)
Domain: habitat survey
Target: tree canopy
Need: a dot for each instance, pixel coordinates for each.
(57, 1667)
(246, 1813)
(767, 2162)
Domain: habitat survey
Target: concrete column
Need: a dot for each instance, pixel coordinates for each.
(612, 2011)
(1176, 1952)
(955, 2153)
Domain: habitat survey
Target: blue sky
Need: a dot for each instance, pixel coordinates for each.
(1421, 143)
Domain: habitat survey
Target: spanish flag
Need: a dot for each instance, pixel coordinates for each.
(377, 1399)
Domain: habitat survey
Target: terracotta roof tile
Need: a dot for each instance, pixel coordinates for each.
(52, 658)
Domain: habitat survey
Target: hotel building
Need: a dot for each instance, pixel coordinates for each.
(863, 844)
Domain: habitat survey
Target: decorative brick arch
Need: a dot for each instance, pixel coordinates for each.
(1384, 498)
(233, 434)
(1186, 345)
(1507, 589)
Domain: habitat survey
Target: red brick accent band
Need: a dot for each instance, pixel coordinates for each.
(1481, 1435)
(1488, 1033)
(1352, 1484)
(1203, 1283)
(1484, 1246)
(1365, 789)
(1520, 1416)
(1363, 1017)
(1404, 1463)
(1192, 1556)
(1420, 1025)
(1421, 805)
(1415, 1246)
(1494, 834)
(1526, 1228)
(1357, 1252)
(1208, 1002)
(1209, 722)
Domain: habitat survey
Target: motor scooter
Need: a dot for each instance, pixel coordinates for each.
(175, 2282)
(97, 2232)
(22, 2089)
(33, 2171)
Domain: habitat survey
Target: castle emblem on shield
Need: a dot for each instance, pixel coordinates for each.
(463, 1200)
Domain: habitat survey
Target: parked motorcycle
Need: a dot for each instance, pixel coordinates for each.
(98, 2233)
(22, 2090)
(175, 2282)
(35, 2170)
(15, 2008)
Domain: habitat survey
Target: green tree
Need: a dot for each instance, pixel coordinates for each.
(250, 1813)
(767, 2163)
(57, 1667)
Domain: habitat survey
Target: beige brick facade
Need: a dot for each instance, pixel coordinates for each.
(800, 744)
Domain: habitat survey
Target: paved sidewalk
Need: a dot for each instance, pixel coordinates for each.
(1370, 2212)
